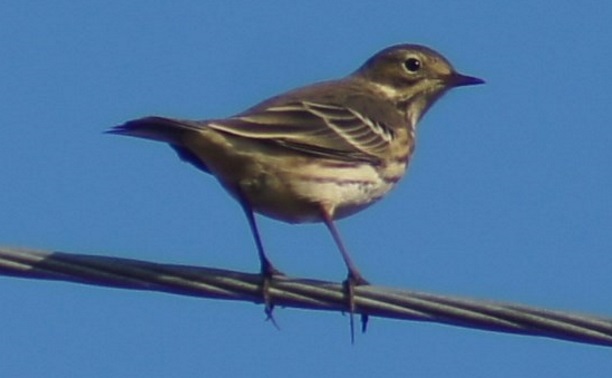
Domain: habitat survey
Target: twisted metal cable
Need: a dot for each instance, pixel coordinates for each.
(303, 293)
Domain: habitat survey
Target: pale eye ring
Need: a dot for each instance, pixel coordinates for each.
(412, 65)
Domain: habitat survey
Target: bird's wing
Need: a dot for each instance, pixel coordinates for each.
(334, 131)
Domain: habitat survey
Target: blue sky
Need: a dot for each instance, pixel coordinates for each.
(507, 198)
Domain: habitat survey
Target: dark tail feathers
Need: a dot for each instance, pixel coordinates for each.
(157, 128)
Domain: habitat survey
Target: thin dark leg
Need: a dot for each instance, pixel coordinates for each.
(353, 272)
(354, 276)
(266, 268)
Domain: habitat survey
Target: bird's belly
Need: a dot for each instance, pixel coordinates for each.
(298, 196)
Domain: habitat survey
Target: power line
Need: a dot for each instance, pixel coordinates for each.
(304, 293)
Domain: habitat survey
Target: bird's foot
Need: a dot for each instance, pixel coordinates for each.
(268, 272)
(354, 279)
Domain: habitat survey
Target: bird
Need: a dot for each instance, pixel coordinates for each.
(318, 153)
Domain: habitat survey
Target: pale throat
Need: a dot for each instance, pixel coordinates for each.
(415, 110)
(418, 105)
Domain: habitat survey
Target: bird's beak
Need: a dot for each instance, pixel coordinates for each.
(459, 80)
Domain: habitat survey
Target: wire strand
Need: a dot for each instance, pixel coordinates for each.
(304, 293)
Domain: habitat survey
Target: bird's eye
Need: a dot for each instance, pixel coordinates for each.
(412, 65)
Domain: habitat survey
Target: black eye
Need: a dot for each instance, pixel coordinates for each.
(412, 64)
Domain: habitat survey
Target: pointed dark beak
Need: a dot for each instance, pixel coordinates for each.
(459, 80)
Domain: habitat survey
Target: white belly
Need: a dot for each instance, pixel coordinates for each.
(297, 197)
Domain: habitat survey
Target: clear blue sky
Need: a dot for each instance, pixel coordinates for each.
(508, 196)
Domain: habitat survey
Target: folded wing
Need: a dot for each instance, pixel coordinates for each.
(314, 128)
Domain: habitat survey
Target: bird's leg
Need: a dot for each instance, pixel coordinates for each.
(267, 269)
(354, 277)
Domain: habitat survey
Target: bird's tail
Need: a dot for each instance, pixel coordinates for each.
(157, 128)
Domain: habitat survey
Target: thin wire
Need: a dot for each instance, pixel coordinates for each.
(304, 293)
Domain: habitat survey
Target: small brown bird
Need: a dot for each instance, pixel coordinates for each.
(317, 153)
